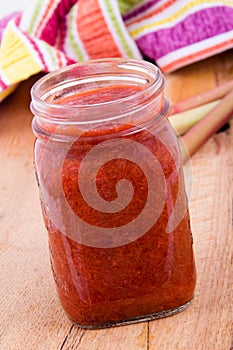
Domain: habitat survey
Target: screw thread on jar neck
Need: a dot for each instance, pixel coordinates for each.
(61, 104)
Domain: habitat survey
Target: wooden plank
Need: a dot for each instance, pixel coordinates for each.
(191, 80)
(207, 324)
(223, 67)
(30, 315)
(133, 337)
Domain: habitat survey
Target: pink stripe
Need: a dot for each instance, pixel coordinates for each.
(57, 23)
(3, 85)
(142, 8)
(36, 48)
(4, 21)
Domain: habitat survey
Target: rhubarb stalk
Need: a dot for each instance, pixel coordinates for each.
(183, 121)
(208, 125)
(203, 98)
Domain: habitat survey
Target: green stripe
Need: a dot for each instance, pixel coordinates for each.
(71, 36)
(119, 30)
(126, 5)
(37, 8)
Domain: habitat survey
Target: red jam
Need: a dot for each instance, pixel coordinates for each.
(101, 286)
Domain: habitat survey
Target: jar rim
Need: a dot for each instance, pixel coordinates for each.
(54, 82)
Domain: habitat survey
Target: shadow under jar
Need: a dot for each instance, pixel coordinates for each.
(112, 193)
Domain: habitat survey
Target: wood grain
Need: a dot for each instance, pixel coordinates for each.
(30, 314)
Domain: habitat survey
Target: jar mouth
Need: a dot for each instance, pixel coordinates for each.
(49, 91)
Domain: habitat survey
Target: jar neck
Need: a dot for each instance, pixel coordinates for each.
(99, 95)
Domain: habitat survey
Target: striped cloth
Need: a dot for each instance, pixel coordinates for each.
(51, 34)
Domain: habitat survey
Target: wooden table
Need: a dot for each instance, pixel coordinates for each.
(30, 314)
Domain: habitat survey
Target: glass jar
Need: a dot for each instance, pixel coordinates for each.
(112, 193)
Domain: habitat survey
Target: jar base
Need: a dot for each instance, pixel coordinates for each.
(144, 318)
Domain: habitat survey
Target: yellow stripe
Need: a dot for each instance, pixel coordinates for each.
(16, 60)
(176, 15)
(8, 91)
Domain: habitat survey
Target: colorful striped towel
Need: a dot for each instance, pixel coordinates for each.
(54, 33)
